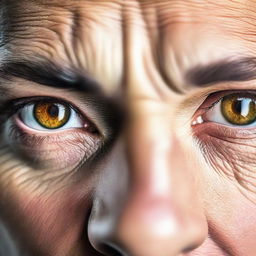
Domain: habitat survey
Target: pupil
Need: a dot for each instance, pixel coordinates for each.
(53, 111)
(237, 107)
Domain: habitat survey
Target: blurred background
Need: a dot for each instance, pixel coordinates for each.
(7, 247)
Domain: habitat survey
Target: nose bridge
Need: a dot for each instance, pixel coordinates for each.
(149, 142)
(161, 210)
(150, 146)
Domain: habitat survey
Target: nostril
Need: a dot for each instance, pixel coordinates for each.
(189, 249)
(111, 250)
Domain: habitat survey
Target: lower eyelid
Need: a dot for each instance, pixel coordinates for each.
(45, 132)
(71, 148)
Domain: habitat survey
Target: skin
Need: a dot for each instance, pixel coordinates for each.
(163, 186)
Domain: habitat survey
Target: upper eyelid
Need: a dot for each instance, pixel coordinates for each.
(221, 94)
(212, 105)
(21, 102)
(14, 105)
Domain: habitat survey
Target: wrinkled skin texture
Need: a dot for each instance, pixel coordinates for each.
(162, 187)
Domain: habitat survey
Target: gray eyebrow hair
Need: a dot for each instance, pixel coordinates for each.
(230, 70)
(50, 74)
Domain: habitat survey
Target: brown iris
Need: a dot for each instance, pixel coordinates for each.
(238, 110)
(51, 115)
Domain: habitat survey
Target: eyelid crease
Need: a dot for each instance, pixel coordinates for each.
(21, 102)
(212, 105)
(221, 94)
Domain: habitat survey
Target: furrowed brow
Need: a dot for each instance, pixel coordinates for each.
(49, 74)
(243, 69)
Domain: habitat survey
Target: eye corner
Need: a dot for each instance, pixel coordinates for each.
(198, 119)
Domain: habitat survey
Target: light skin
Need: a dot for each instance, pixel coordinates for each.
(138, 174)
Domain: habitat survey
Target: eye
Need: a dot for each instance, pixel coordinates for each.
(43, 133)
(237, 109)
(50, 115)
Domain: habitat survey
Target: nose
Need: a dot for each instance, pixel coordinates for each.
(148, 201)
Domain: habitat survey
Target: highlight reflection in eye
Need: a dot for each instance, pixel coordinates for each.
(237, 109)
(50, 116)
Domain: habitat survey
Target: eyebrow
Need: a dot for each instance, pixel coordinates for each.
(50, 74)
(235, 70)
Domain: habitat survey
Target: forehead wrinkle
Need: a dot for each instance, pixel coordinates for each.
(40, 15)
(66, 33)
(171, 16)
(182, 21)
(228, 14)
(4, 21)
(33, 26)
(75, 13)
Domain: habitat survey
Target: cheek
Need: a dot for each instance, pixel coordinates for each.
(229, 188)
(62, 150)
(231, 217)
(47, 223)
(232, 155)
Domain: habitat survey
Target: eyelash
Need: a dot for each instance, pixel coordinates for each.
(11, 107)
(221, 94)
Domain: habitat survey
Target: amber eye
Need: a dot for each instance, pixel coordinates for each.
(238, 110)
(51, 115)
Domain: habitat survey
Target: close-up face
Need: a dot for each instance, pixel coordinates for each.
(128, 128)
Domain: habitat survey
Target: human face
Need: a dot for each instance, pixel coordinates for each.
(114, 135)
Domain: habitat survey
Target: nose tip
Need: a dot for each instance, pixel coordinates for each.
(149, 224)
(155, 227)
(149, 205)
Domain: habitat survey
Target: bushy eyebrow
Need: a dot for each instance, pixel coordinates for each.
(242, 69)
(50, 74)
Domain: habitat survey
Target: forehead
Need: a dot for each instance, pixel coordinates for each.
(107, 38)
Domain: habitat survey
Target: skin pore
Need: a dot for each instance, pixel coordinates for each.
(147, 166)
